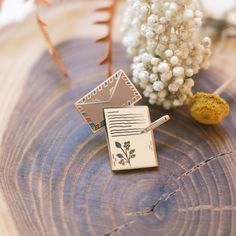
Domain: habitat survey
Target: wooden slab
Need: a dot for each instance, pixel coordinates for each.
(55, 177)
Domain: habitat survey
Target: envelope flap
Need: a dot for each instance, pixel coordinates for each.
(103, 92)
(130, 94)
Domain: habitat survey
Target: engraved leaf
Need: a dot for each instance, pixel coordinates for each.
(133, 156)
(132, 151)
(119, 155)
(118, 145)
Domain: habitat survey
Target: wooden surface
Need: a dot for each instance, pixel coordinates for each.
(55, 177)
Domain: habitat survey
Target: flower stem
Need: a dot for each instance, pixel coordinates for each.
(126, 157)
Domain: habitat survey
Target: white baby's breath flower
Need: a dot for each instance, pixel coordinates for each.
(162, 94)
(155, 61)
(149, 88)
(189, 72)
(178, 71)
(155, 69)
(174, 60)
(166, 76)
(188, 14)
(167, 104)
(158, 86)
(146, 93)
(168, 53)
(160, 36)
(163, 67)
(153, 96)
(153, 78)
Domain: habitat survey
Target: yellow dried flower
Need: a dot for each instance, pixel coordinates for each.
(208, 109)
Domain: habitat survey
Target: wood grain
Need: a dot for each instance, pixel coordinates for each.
(55, 177)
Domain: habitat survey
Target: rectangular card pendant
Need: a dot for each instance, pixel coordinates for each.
(128, 148)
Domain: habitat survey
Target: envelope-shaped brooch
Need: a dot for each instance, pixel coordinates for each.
(116, 91)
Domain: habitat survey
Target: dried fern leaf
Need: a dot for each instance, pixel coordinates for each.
(107, 60)
(52, 50)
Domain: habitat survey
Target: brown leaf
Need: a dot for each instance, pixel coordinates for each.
(101, 9)
(102, 39)
(52, 50)
(103, 22)
(43, 2)
(107, 38)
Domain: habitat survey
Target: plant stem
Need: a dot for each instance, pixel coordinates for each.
(225, 85)
(126, 157)
(129, 163)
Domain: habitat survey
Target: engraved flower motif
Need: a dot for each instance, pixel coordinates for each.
(126, 154)
(127, 145)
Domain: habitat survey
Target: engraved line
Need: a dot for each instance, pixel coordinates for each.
(126, 114)
(124, 130)
(126, 120)
(126, 123)
(111, 112)
(124, 135)
(126, 117)
(119, 126)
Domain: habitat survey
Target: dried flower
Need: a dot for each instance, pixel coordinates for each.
(160, 35)
(208, 108)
